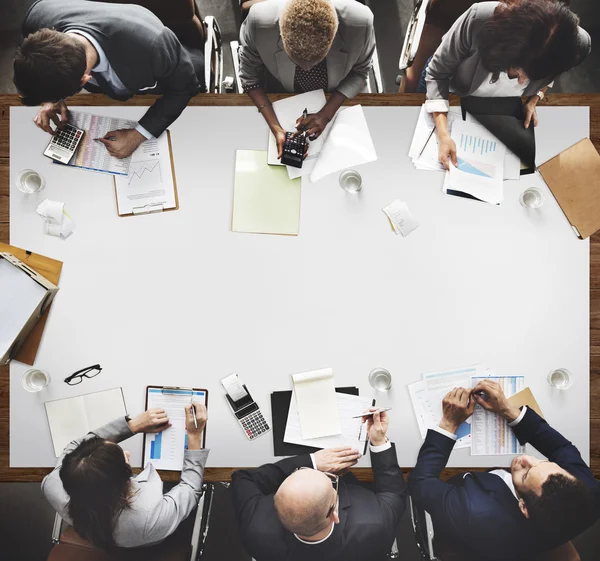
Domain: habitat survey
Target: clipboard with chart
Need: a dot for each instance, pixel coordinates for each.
(150, 185)
(165, 449)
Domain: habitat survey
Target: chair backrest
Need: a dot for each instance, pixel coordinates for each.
(213, 56)
(413, 34)
(423, 531)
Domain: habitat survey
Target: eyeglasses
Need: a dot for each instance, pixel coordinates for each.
(89, 372)
(335, 483)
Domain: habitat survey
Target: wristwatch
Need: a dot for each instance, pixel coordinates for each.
(541, 95)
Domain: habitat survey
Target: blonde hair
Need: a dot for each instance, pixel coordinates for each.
(308, 28)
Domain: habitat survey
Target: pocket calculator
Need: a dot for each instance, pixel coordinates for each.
(249, 416)
(293, 149)
(64, 143)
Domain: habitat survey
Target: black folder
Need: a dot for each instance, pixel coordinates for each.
(504, 118)
(280, 407)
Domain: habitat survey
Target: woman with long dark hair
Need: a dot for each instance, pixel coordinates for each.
(93, 488)
(502, 49)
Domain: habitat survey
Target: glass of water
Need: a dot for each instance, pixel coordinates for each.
(532, 198)
(380, 379)
(30, 181)
(560, 379)
(351, 181)
(35, 380)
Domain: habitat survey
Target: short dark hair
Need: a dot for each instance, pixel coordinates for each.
(96, 477)
(48, 67)
(564, 509)
(539, 36)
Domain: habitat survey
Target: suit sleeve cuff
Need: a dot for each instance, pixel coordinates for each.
(437, 106)
(314, 462)
(143, 132)
(380, 448)
(444, 432)
(519, 418)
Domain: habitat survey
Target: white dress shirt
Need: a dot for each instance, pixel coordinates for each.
(104, 68)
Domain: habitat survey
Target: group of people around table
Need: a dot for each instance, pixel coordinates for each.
(495, 49)
(310, 507)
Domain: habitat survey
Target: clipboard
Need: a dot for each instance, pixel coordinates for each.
(49, 269)
(573, 177)
(185, 393)
(154, 208)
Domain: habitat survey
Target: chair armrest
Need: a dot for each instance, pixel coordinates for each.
(56, 529)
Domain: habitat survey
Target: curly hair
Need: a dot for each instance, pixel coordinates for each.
(307, 29)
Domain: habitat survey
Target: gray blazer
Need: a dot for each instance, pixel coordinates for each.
(456, 65)
(146, 56)
(348, 60)
(151, 516)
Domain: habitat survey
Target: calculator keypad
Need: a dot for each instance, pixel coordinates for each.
(254, 425)
(68, 137)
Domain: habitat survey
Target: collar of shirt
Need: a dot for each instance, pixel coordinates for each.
(320, 541)
(102, 65)
(506, 476)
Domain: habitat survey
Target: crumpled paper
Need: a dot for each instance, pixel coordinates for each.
(58, 222)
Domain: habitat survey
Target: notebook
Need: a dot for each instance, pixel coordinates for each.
(74, 417)
(574, 179)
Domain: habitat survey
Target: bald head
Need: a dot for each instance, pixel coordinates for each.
(303, 501)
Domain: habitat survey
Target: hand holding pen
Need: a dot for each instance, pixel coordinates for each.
(377, 423)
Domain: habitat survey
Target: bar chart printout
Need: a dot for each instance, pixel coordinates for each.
(165, 449)
(490, 433)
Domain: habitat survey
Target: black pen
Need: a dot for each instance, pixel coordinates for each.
(111, 138)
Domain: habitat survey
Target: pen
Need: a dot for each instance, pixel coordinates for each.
(369, 413)
(194, 414)
(426, 142)
(111, 138)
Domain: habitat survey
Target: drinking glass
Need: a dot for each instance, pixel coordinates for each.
(351, 181)
(560, 379)
(532, 198)
(30, 181)
(380, 379)
(35, 380)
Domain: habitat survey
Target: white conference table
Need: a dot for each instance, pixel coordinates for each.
(178, 299)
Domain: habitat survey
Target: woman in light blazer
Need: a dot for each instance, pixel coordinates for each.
(502, 49)
(303, 45)
(93, 489)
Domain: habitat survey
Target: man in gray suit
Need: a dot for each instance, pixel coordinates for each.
(304, 45)
(116, 49)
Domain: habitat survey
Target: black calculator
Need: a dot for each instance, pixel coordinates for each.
(64, 143)
(293, 149)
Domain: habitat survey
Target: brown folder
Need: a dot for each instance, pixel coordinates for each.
(48, 268)
(574, 179)
(525, 397)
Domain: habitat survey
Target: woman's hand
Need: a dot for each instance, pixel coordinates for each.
(530, 112)
(447, 151)
(153, 420)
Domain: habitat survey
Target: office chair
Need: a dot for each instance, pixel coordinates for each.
(186, 544)
(423, 531)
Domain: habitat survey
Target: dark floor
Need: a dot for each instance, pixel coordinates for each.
(25, 517)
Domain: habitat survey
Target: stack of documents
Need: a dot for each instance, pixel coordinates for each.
(485, 433)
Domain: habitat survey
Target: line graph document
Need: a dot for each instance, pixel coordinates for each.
(150, 184)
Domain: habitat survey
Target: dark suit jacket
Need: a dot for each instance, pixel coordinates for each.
(368, 519)
(482, 514)
(145, 55)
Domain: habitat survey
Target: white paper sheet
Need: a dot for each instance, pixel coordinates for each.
(149, 186)
(74, 417)
(491, 434)
(353, 432)
(400, 217)
(315, 395)
(234, 387)
(58, 223)
(165, 449)
(288, 111)
(349, 144)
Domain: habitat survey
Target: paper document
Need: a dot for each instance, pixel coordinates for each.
(58, 223)
(427, 395)
(74, 417)
(424, 146)
(400, 217)
(480, 170)
(92, 154)
(165, 449)
(288, 111)
(315, 398)
(265, 199)
(491, 434)
(233, 386)
(150, 185)
(353, 433)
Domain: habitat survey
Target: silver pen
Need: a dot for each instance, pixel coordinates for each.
(194, 414)
(369, 413)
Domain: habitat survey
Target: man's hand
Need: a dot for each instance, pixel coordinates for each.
(336, 460)
(153, 420)
(494, 400)
(530, 112)
(377, 426)
(447, 151)
(457, 407)
(314, 124)
(279, 135)
(50, 112)
(127, 140)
